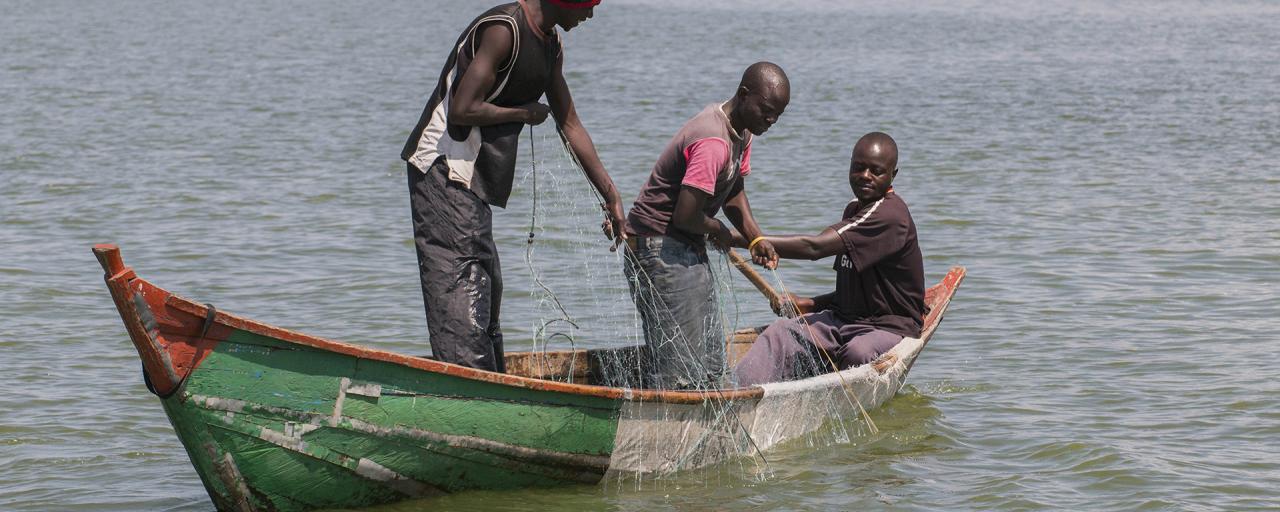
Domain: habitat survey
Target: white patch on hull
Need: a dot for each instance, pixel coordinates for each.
(655, 437)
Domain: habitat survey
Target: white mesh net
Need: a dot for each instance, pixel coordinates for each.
(584, 302)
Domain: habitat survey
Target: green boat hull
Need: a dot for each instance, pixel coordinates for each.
(274, 426)
(279, 420)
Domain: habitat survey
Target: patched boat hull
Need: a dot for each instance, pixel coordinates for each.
(271, 426)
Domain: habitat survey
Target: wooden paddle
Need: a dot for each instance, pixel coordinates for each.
(757, 280)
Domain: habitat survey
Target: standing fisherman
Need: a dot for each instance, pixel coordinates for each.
(461, 158)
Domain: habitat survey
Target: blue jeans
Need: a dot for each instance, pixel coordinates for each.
(674, 291)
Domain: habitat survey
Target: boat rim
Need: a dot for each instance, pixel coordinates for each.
(120, 275)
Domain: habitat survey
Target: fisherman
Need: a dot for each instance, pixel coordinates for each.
(701, 171)
(879, 295)
(461, 160)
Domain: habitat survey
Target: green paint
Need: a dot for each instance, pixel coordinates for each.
(269, 405)
(202, 450)
(455, 469)
(314, 480)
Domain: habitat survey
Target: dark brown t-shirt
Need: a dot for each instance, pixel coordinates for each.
(880, 278)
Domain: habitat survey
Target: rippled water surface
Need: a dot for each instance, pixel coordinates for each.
(1106, 171)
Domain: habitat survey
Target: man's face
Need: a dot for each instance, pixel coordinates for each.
(760, 109)
(871, 171)
(572, 17)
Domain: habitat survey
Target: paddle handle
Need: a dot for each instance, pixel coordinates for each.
(756, 279)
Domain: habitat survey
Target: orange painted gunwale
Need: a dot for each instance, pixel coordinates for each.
(122, 278)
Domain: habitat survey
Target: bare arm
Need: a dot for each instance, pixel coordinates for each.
(808, 247)
(805, 305)
(802, 247)
(822, 302)
(738, 210)
(815, 247)
(468, 106)
(584, 150)
(688, 217)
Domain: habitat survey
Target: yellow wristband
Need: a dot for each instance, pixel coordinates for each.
(753, 243)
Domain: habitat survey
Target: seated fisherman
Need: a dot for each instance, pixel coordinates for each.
(702, 170)
(879, 295)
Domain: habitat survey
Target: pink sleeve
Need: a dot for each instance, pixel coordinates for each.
(705, 158)
(746, 160)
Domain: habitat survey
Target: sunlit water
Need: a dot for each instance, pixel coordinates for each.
(1107, 172)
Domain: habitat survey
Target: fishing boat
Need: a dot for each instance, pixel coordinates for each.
(274, 419)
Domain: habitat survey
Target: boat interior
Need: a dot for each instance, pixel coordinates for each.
(617, 366)
(603, 366)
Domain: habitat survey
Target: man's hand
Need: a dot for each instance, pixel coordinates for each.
(722, 238)
(764, 255)
(793, 303)
(613, 224)
(535, 113)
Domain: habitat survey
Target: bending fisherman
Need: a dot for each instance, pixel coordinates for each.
(702, 170)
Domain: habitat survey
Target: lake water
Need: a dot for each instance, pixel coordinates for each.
(1109, 172)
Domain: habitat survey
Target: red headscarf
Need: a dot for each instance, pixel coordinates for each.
(575, 4)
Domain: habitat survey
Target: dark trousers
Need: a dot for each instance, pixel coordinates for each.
(459, 268)
(674, 291)
(793, 348)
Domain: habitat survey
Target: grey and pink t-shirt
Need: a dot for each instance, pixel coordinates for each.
(705, 154)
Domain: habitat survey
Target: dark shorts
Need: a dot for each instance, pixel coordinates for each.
(675, 294)
(459, 268)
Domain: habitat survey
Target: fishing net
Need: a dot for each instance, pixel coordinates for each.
(587, 325)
